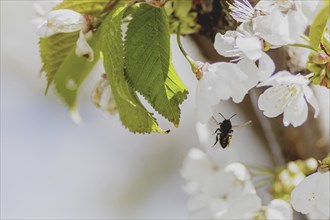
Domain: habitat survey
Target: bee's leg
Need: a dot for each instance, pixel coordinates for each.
(216, 139)
(218, 129)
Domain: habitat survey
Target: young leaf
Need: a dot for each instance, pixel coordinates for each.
(317, 28)
(72, 73)
(148, 61)
(132, 113)
(55, 49)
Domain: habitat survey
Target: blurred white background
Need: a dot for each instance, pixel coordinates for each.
(53, 168)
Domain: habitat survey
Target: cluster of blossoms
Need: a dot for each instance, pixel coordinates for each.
(218, 192)
(312, 195)
(270, 24)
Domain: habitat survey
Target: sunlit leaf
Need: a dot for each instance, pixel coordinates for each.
(132, 113)
(148, 62)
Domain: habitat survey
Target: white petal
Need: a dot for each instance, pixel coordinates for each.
(245, 207)
(197, 202)
(297, 23)
(218, 184)
(239, 93)
(217, 79)
(270, 102)
(61, 21)
(251, 70)
(274, 80)
(65, 20)
(239, 170)
(273, 28)
(217, 83)
(196, 166)
(303, 196)
(43, 29)
(279, 209)
(323, 193)
(311, 99)
(317, 215)
(230, 72)
(205, 99)
(203, 113)
(311, 8)
(191, 187)
(266, 67)
(201, 214)
(225, 44)
(293, 79)
(296, 113)
(266, 6)
(250, 46)
(83, 49)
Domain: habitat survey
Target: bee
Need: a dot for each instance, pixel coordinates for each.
(224, 132)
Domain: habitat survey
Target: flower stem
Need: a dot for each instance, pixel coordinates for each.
(190, 61)
(305, 38)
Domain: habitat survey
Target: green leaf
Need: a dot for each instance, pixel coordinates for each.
(148, 62)
(132, 113)
(55, 49)
(182, 8)
(91, 7)
(326, 38)
(71, 74)
(318, 26)
(326, 160)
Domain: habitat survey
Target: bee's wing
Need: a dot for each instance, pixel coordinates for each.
(242, 125)
(213, 122)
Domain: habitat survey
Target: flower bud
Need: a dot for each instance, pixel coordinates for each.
(103, 98)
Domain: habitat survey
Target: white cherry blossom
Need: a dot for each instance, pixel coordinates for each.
(218, 192)
(222, 81)
(279, 209)
(240, 43)
(311, 196)
(60, 21)
(216, 82)
(289, 95)
(283, 22)
(279, 22)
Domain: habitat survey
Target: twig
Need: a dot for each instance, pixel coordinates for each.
(274, 147)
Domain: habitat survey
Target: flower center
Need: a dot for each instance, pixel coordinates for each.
(286, 95)
(286, 5)
(200, 70)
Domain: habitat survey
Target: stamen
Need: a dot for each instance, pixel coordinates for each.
(242, 11)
